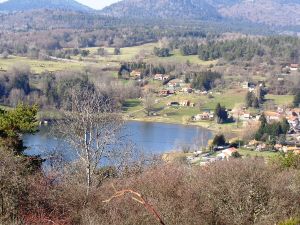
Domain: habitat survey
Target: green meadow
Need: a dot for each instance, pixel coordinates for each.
(110, 60)
(144, 52)
(39, 66)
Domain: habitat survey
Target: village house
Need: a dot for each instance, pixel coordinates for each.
(187, 103)
(294, 149)
(188, 90)
(136, 74)
(280, 110)
(261, 147)
(247, 85)
(161, 77)
(294, 67)
(245, 116)
(253, 144)
(294, 121)
(164, 93)
(290, 111)
(197, 117)
(296, 110)
(227, 153)
(173, 104)
(292, 115)
(278, 147)
(167, 91)
(204, 116)
(281, 75)
(272, 116)
(175, 83)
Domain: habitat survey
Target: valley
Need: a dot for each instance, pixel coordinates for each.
(149, 112)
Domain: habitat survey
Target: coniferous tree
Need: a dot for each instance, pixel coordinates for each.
(297, 99)
(252, 100)
(219, 140)
(221, 114)
(248, 99)
(285, 126)
(263, 122)
(271, 131)
(117, 51)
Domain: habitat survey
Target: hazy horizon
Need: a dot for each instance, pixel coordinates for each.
(95, 4)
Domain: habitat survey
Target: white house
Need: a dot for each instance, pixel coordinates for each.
(294, 67)
(227, 153)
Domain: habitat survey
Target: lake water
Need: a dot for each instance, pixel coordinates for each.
(149, 137)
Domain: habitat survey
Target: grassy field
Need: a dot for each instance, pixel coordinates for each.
(266, 154)
(181, 115)
(281, 99)
(179, 156)
(145, 51)
(39, 66)
(111, 60)
(229, 98)
(133, 108)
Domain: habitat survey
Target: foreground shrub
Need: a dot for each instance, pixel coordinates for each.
(228, 192)
(293, 221)
(234, 192)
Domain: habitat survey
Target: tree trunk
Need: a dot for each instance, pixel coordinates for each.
(88, 179)
(88, 166)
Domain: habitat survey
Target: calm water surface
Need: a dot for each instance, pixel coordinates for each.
(148, 137)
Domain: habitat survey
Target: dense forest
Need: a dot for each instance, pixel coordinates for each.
(284, 47)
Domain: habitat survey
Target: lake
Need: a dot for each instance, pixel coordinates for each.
(153, 138)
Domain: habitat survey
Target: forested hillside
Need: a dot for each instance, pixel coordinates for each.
(277, 12)
(163, 9)
(17, 5)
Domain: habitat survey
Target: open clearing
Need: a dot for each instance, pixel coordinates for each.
(39, 66)
(281, 99)
(229, 98)
(144, 52)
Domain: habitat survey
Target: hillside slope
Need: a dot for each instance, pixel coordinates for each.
(271, 12)
(278, 12)
(23, 5)
(166, 9)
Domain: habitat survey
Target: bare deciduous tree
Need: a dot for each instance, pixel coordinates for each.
(148, 102)
(92, 128)
(16, 96)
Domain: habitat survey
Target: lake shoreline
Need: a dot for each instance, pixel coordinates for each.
(209, 125)
(44, 116)
(205, 125)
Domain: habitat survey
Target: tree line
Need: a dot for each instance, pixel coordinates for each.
(283, 47)
(52, 90)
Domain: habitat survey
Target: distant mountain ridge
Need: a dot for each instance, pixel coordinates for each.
(271, 12)
(277, 13)
(24, 5)
(166, 9)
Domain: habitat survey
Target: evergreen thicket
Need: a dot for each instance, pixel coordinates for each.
(271, 132)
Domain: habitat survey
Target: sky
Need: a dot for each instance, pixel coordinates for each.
(96, 4)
